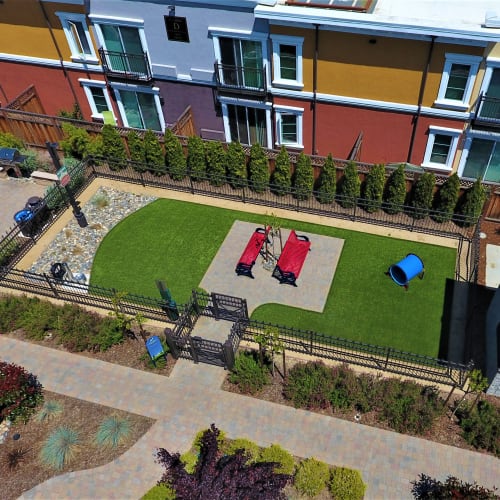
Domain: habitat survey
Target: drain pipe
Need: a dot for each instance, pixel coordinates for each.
(420, 98)
(315, 88)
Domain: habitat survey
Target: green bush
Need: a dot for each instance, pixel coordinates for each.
(60, 447)
(309, 385)
(423, 194)
(175, 160)
(216, 163)
(136, 150)
(250, 448)
(196, 163)
(49, 410)
(30, 163)
(38, 319)
(153, 153)
(350, 186)
(481, 427)
(12, 308)
(367, 394)
(473, 202)
(112, 432)
(447, 198)
(344, 385)
(189, 459)
(347, 484)
(236, 165)
(198, 439)
(258, 167)
(281, 178)
(395, 192)
(285, 464)
(303, 178)
(75, 142)
(75, 113)
(113, 147)
(8, 251)
(161, 491)
(327, 182)
(8, 140)
(374, 188)
(311, 477)
(248, 374)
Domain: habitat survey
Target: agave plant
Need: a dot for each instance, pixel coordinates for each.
(49, 410)
(113, 431)
(60, 447)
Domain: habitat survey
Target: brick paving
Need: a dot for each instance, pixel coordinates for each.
(191, 399)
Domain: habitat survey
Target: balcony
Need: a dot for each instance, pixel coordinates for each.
(487, 113)
(240, 80)
(133, 67)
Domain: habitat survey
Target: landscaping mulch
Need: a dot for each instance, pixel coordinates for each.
(81, 416)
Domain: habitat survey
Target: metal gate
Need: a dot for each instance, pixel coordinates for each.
(228, 308)
(207, 351)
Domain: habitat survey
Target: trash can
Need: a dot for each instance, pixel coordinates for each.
(24, 219)
(38, 206)
(57, 270)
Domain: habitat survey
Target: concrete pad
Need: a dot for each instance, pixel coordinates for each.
(493, 266)
(313, 284)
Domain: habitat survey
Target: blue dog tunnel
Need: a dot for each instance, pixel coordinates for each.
(406, 269)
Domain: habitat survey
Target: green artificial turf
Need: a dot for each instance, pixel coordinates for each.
(176, 241)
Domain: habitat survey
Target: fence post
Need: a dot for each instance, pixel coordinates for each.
(311, 342)
(172, 345)
(142, 177)
(387, 356)
(191, 184)
(196, 305)
(215, 307)
(228, 352)
(245, 308)
(243, 195)
(52, 287)
(192, 348)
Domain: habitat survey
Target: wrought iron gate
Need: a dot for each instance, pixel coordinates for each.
(228, 308)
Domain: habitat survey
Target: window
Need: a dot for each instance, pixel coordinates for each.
(441, 147)
(289, 126)
(247, 125)
(287, 61)
(481, 158)
(78, 36)
(97, 96)
(457, 81)
(490, 105)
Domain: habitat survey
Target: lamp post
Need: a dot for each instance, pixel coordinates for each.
(77, 211)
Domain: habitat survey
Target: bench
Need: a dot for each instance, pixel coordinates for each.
(289, 265)
(44, 178)
(251, 252)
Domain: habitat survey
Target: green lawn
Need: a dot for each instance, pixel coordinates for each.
(176, 241)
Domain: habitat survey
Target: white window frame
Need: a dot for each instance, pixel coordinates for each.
(464, 103)
(76, 56)
(279, 111)
(87, 84)
(476, 134)
(455, 135)
(278, 80)
(137, 88)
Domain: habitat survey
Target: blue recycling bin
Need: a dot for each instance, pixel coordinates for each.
(24, 219)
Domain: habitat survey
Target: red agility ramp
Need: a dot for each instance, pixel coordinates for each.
(251, 252)
(292, 259)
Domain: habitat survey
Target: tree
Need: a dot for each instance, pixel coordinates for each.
(236, 165)
(114, 148)
(153, 153)
(447, 198)
(473, 203)
(218, 476)
(175, 160)
(327, 182)
(303, 178)
(196, 162)
(374, 188)
(75, 142)
(136, 150)
(281, 178)
(395, 193)
(423, 194)
(350, 186)
(258, 168)
(216, 163)
(477, 384)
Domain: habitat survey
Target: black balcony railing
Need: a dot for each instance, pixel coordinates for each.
(126, 66)
(487, 111)
(240, 79)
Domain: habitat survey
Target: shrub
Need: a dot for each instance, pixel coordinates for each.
(30, 163)
(8, 140)
(75, 113)
(113, 147)
(161, 491)
(12, 308)
(347, 484)
(423, 194)
(374, 188)
(309, 385)
(136, 150)
(49, 410)
(281, 178)
(95, 148)
(113, 431)
(15, 457)
(447, 198)
(481, 427)
(249, 448)
(39, 317)
(108, 334)
(236, 165)
(327, 181)
(311, 477)
(344, 385)
(76, 141)
(472, 205)
(283, 459)
(196, 162)
(248, 374)
(216, 163)
(189, 459)
(258, 167)
(350, 186)
(153, 153)
(100, 199)
(198, 439)
(60, 447)
(395, 192)
(8, 250)
(20, 393)
(367, 395)
(303, 178)
(175, 160)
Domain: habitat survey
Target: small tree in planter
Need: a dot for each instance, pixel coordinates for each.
(350, 186)
(258, 169)
(472, 205)
(303, 178)
(281, 178)
(216, 163)
(423, 194)
(114, 148)
(196, 163)
(136, 150)
(153, 153)
(236, 165)
(395, 192)
(174, 156)
(327, 182)
(374, 188)
(447, 198)
(75, 143)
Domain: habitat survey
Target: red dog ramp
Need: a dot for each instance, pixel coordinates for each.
(292, 259)
(251, 252)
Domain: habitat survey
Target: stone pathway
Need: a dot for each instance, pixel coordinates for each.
(191, 399)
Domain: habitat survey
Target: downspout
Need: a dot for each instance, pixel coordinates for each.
(315, 88)
(61, 60)
(420, 98)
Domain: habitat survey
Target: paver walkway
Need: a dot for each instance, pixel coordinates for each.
(191, 399)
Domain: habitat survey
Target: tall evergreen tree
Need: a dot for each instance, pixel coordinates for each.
(113, 147)
(350, 186)
(258, 168)
(136, 150)
(303, 178)
(175, 160)
(236, 165)
(473, 203)
(374, 188)
(216, 162)
(447, 199)
(327, 182)
(423, 195)
(395, 193)
(196, 162)
(281, 178)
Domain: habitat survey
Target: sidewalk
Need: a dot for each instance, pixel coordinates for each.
(191, 399)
